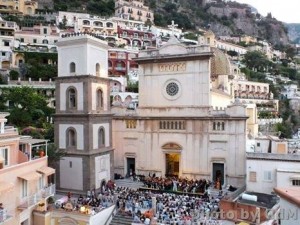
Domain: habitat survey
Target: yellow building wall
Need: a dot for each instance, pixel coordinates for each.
(252, 125)
(219, 100)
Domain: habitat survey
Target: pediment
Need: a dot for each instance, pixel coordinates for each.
(171, 146)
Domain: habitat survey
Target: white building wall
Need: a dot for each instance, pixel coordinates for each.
(290, 213)
(71, 54)
(196, 74)
(102, 169)
(71, 173)
(96, 55)
(278, 179)
(63, 95)
(96, 134)
(199, 149)
(62, 135)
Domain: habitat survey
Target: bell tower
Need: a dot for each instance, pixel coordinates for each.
(83, 118)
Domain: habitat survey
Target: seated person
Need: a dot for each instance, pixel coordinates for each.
(80, 199)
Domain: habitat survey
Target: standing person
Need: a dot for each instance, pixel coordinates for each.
(174, 185)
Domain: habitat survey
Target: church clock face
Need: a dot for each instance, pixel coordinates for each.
(171, 89)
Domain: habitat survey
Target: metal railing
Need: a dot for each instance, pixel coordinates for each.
(48, 191)
(29, 201)
(34, 199)
(3, 215)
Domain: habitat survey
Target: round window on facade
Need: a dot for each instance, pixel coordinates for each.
(172, 89)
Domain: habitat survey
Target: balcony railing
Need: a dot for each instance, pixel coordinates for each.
(29, 201)
(34, 199)
(4, 215)
(121, 68)
(48, 191)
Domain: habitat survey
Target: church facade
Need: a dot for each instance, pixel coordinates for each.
(186, 125)
(178, 128)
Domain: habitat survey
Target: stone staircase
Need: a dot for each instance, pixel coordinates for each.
(129, 183)
(121, 220)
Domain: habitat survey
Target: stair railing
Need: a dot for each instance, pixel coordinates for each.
(112, 214)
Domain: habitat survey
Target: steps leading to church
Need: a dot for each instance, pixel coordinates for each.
(121, 220)
(129, 183)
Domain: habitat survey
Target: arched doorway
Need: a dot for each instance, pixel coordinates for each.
(172, 159)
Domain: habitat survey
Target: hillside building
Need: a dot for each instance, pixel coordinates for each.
(289, 204)
(7, 42)
(133, 10)
(26, 181)
(121, 62)
(25, 7)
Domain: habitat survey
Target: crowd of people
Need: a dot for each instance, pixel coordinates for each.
(183, 209)
(92, 203)
(148, 206)
(178, 201)
(177, 184)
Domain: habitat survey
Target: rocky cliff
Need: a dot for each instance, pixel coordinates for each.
(294, 32)
(224, 18)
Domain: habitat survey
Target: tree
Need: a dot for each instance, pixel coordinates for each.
(14, 75)
(290, 52)
(27, 107)
(256, 60)
(232, 53)
(133, 87)
(54, 154)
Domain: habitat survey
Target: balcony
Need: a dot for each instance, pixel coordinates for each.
(4, 215)
(29, 201)
(34, 199)
(48, 191)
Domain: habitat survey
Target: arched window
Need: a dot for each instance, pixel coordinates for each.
(71, 137)
(45, 41)
(99, 99)
(97, 69)
(72, 67)
(214, 125)
(72, 98)
(101, 137)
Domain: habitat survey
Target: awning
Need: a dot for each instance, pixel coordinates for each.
(4, 187)
(46, 170)
(30, 176)
(32, 141)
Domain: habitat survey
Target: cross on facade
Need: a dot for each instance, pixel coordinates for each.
(172, 26)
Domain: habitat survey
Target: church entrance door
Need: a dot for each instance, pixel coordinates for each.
(172, 164)
(130, 166)
(218, 174)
